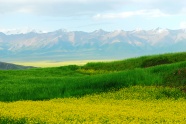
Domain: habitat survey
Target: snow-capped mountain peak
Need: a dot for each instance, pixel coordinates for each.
(21, 31)
(160, 30)
(63, 44)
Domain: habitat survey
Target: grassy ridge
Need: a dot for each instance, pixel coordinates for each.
(140, 62)
(47, 83)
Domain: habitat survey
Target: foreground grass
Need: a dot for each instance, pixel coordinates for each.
(128, 105)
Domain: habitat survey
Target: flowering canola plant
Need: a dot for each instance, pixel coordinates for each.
(94, 109)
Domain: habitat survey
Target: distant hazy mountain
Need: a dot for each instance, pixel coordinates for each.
(8, 66)
(77, 45)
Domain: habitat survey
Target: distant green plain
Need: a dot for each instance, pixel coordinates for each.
(58, 63)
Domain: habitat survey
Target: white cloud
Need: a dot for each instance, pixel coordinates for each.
(147, 13)
(89, 7)
(77, 13)
(183, 25)
(57, 7)
(114, 15)
(183, 10)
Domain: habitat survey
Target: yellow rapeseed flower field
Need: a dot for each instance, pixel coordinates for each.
(95, 109)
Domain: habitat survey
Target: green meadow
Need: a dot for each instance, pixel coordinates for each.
(159, 71)
(147, 89)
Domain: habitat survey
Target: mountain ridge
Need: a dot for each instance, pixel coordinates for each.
(77, 45)
(9, 66)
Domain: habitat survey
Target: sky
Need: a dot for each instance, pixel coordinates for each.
(90, 15)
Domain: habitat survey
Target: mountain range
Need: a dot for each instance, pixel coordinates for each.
(62, 45)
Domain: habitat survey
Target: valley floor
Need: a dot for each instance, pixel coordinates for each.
(58, 63)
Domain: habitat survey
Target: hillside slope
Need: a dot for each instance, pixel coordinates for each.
(8, 66)
(139, 62)
(77, 81)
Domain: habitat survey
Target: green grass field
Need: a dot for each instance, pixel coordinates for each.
(160, 78)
